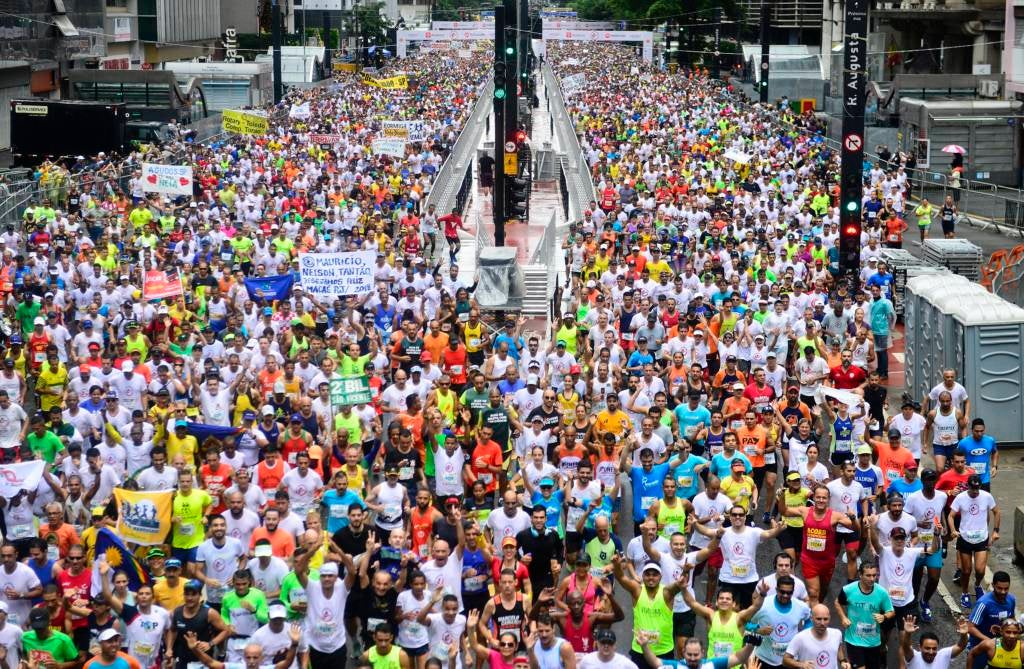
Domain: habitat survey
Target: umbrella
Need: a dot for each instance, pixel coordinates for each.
(954, 148)
(738, 156)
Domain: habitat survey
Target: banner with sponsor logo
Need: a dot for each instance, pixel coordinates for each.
(244, 122)
(333, 274)
(325, 139)
(412, 131)
(389, 147)
(401, 82)
(167, 179)
(159, 284)
(144, 518)
(20, 476)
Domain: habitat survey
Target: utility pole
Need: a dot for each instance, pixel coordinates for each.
(501, 83)
(718, 44)
(510, 54)
(851, 182)
(327, 42)
(275, 37)
(523, 53)
(766, 25)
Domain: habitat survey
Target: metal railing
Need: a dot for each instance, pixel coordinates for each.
(579, 181)
(447, 186)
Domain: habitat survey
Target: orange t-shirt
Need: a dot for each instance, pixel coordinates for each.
(891, 461)
(97, 661)
(66, 536)
(753, 443)
(485, 455)
(281, 541)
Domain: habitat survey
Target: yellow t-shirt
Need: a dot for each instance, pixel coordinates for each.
(168, 597)
(189, 532)
(187, 446)
(52, 379)
(740, 492)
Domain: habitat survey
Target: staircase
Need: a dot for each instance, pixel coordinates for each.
(538, 296)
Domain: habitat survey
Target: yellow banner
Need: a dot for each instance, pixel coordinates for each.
(244, 123)
(401, 82)
(144, 518)
(346, 67)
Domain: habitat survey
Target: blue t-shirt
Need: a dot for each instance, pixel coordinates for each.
(552, 506)
(689, 419)
(337, 508)
(863, 630)
(903, 487)
(513, 344)
(988, 611)
(686, 479)
(979, 454)
(638, 359)
(646, 488)
(721, 466)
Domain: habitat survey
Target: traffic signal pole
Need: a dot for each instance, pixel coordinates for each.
(511, 65)
(766, 23)
(851, 184)
(500, 90)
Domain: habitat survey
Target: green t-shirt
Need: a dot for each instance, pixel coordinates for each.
(245, 622)
(57, 646)
(292, 592)
(863, 630)
(190, 532)
(478, 402)
(350, 366)
(243, 247)
(26, 312)
(46, 446)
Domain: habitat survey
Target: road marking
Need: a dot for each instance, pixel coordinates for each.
(900, 357)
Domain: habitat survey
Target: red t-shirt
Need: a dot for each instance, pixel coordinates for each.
(76, 590)
(847, 379)
(952, 483)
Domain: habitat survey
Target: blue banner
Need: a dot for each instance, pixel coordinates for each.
(201, 431)
(269, 288)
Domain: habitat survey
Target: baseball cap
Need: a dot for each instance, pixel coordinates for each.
(651, 566)
(547, 482)
(793, 476)
(248, 414)
(738, 386)
(532, 380)
(112, 395)
(898, 533)
(737, 461)
(263, 550)
(3, 607)
(109, 633)
(173, 563)
(509, 541)
(127, 366)
(39, 618)
(267, 410)
(864, 450)
(87, 324)
(277, 611)
(974, 481)
(194, 584)
(929, 475)
(279, 387)
(605, 635)
(894, 433)
(155, 553)
(181, 423)
(296, 418)
(39, 320)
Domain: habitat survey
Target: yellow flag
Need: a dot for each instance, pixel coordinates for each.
(144, 518)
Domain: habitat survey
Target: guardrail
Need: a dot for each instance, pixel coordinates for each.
(578, 181)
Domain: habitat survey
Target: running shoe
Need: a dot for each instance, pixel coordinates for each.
(965, 601)
(978, 593)
(766, 519)
(926, 612)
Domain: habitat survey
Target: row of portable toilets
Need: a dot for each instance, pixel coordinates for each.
(951, 322)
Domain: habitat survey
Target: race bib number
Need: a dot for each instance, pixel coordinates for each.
(646, 502)
(22, 531)
(898, 594)
(980, 467)
(339, 510)
(722, 649)
(867, 629)
(186, 529)
(740, 570)
(685, 481)
(750, 451)
(816, 544)
(974, 536)
(406, 473)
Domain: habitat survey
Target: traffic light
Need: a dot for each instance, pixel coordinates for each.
(520, 137)
(510, 43)
(849, 239)
(500, 82)
(518, 198)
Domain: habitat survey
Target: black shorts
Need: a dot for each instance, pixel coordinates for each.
(869, 658)
(791, 537)
(476, 358)
(759, 473)
(948, 227)
(901, 613)
(81, 636)
(417, 652)
(684, 623)
(840, 457)
(573, 542)
(963, 546)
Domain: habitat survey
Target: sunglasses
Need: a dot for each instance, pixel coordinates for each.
(507, 644)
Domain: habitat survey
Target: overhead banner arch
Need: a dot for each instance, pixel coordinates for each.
(405, 37)
(645, 37)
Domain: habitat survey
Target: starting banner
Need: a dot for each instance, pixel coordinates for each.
(334, 274)
(244, 122)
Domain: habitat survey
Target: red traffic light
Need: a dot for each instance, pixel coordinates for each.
(851, 230)
(520, 136)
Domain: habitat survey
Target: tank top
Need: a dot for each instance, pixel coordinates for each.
(549, 658)
(1006, 659)
(391, 499)
(199, 623)
(671, 519)
(945, 430)
(589, 591)
(422, 525)
(270, 435)
(713, 443)
(625, 318)
(724, 637)
(842, 434)
(947, 214)
(384, 318)
(473, 337)
(446, 405)
(728, 324)
(137, 344)
(508, 619)
(654, 616)
(269, 478)
(389, 661)
(580, 636)
(819, 544)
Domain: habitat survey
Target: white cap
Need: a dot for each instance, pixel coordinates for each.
(109, 633)
(738, 386)
(532, 380)
(279, 387)
(267, 410)
(277, 611)
(329, 568)
(127, 366)
(263, 550)
(39, 320)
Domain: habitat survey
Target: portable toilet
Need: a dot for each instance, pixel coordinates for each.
(922, 320)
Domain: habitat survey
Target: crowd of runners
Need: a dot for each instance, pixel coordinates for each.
(712, 400)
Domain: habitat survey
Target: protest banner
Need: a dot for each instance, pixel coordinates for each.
(244, 122)
(159, 284)
(324, 139)
(573, 83)
(401, 82)
(167, 179)
(389, 147)
(300, 111)
(333, 274)
(14, 478)
(395, 130)
(145, 517)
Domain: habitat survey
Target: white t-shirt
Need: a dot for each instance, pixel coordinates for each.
(973, 515)
(740, 552)
(268, 580)
(22, 579)
(442, 634)
(11, 420)
(799, 589)
(594, 661)
(844, 498)
(895, 573)
(942, 660)
(502, 526)
(447, 576)
(221, 563)
(911, 431)
(925, 511)
(823, 652)
(325, 626)
(412, 634)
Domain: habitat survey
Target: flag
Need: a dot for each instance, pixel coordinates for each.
(269, 288)
(144, 518)
(20, 476)
(110, 548)
(202, 431)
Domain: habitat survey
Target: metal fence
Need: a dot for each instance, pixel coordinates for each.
(578, 181)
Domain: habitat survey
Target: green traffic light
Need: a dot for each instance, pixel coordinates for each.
(851, 206)
(510, 51)
(499, 93)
